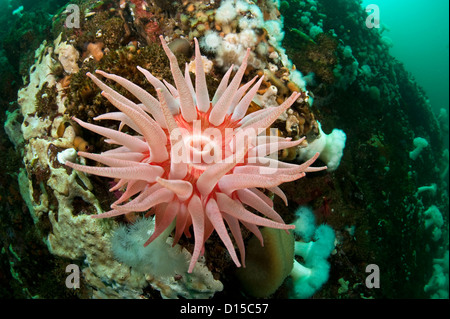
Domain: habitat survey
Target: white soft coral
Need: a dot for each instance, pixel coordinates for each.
(434, 220)
(159, 258)
(248, 38)
(330, 146)
(308, 278)
(437, 286)
(226, 12)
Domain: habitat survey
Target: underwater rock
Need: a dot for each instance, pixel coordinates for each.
(62, 198)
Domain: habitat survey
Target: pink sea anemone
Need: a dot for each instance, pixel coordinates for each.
(195, 161)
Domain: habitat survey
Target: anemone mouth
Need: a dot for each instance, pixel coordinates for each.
(203, 151)
(201, 144)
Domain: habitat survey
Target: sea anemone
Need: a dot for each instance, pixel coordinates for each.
(248, 38)
(195, 161)
(226, 12)
(211, 41)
